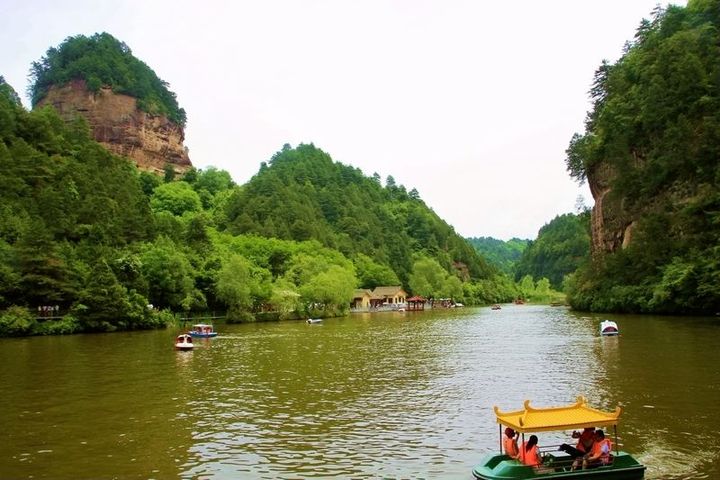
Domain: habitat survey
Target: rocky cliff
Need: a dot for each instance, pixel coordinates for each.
(152, 141)
(611, 225)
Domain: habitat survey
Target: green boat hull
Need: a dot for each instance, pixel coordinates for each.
(501, 467)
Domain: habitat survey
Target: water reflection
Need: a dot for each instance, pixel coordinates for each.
(385, 395)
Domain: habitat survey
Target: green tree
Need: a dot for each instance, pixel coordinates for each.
(241, 285)
(176, 198)
(429, 279)
(331, 289)
(168, 272)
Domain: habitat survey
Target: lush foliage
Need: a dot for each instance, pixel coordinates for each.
(503, 255)
(302, 194)
(101, 60)
(8, 92)
(560, 248)
(68, 209)
(655, 131)
(110, 248)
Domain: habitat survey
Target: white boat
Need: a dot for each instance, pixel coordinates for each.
(608, 327)
(184, 342)
(314, 320)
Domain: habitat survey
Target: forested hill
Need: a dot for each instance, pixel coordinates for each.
(302, 194)
(499, 253)
(562, 245)
(102, 60)
(651, 152)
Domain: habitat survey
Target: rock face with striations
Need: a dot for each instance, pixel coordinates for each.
(611, 225)
(151, 141)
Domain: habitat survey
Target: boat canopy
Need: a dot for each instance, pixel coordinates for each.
(569, 417)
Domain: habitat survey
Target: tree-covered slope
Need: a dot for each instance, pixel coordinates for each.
(84, 231)
(102, 60)
(562, 245)
(303, 194)
(500, 253)
(650, 151)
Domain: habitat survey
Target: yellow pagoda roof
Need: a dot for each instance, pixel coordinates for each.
(573, 416)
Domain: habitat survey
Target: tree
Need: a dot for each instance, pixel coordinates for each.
(429, 279)
(331, 289)
(241, 285)
(371, 274)
(168, 272)
(104, 300)
(527, 286)
(176, 198)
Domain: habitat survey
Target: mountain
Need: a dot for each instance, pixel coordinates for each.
(562, 245)
(129, 108)
(650, 153)
(302, 194)
(499, 253)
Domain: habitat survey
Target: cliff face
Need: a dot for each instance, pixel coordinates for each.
(151, 141)
(611, 224)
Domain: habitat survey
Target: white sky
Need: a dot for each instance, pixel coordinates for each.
(472, 103)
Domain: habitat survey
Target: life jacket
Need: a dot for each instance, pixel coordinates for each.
(531, 457)
(586, 441)
(602, 450)
(511, 448)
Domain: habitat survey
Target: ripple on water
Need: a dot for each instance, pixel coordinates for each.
(362, 397)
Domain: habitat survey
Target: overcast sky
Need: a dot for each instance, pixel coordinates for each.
(472, 103)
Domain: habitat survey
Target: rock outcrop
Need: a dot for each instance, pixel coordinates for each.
(611, 225)
(151, 141)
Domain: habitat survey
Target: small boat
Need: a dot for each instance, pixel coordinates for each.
(314, 320)
(556, 464)
(495, 307)
(184, 342)
(203, 330)
(608, 328)
(458, 305)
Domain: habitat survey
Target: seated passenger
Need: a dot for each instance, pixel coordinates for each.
(600, 453)
(510, 443)
(586, 438)
(529, 453)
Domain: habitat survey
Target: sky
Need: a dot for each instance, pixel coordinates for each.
(471, 102)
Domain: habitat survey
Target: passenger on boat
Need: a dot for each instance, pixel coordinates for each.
(586, 438)
(510, 443)
(529, 453)
(600, 453)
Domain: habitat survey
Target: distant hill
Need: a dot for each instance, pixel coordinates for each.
(500, 253)
(562, 245)
(302, 194)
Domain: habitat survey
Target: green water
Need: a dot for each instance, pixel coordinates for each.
(393, 395)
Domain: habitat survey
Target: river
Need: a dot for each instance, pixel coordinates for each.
(387, 395)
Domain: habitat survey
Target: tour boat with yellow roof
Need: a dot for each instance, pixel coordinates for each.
(557, 464)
